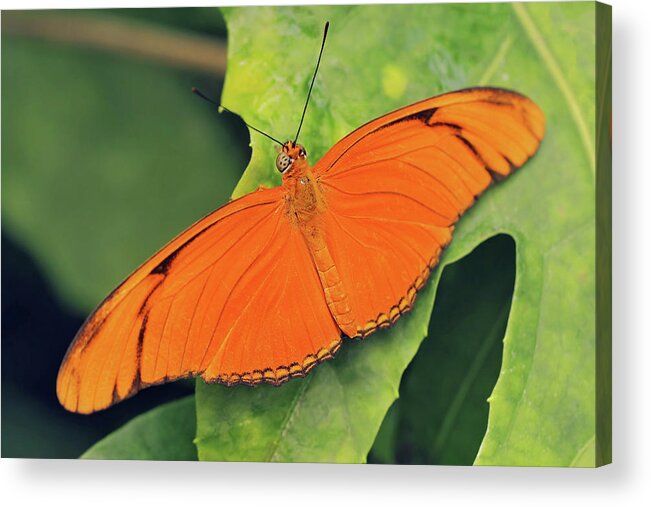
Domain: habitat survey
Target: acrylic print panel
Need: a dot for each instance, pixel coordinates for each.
(503, 359)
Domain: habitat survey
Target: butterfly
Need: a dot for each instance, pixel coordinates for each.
(266, 287)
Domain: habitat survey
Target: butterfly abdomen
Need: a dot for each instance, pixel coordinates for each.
(333, 286)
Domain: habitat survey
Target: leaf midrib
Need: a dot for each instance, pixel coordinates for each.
(290, 412)
(548, 59)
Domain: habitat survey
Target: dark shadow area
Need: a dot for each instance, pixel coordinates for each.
(441, 415)
(36, 332)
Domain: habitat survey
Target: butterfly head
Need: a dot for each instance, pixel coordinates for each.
(288, 154)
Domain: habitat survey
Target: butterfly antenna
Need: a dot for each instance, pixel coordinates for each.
(198, 92)
(307, 101)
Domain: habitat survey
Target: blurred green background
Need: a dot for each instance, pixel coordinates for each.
(106, 155)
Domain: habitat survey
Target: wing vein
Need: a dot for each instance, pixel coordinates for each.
(240, 315)
(237, 282)
(386, 192)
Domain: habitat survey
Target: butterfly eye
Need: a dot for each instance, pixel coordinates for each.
(283, 161)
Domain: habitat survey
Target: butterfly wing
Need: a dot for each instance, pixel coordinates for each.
(235, 298)
(396, 186)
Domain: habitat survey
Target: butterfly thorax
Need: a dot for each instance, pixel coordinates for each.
(303, 196)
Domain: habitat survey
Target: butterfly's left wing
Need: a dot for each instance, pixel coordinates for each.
(396, 186)
(234, 298)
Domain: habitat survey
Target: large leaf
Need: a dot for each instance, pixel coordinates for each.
(164, 433)
(542, 411)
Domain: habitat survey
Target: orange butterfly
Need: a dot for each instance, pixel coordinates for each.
(263, 288)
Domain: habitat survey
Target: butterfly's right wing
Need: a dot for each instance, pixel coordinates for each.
(235, 298)
(396, 186)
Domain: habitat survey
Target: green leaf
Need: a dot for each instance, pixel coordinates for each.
(164, 433)
(542, 410)
(543, 406)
